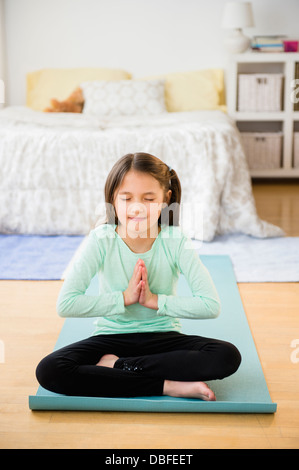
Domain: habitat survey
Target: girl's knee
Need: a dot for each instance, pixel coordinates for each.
(47, 372)
(231, 357)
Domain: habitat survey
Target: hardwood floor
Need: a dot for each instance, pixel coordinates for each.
(29, 328)
(279, 204)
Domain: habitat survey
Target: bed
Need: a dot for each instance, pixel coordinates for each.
(54, 167)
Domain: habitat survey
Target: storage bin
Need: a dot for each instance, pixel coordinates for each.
(260, 92)
(263, 149)
(296, 149)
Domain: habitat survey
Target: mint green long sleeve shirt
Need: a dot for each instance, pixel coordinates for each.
(105, 253)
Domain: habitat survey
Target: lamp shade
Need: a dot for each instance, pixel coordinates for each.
(237, 15)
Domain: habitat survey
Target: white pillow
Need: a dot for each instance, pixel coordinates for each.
(123, 97)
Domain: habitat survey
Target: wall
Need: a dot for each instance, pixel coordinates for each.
(141, 36)
(2, 56)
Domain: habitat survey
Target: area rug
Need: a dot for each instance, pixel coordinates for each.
(256, 259)
(30, 257)
(51, 257)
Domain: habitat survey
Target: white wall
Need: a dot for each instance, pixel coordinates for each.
(2, 56)
(141, 36)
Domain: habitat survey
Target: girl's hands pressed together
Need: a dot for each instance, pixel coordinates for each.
(138, 289)
(132, 293)
(147, 298)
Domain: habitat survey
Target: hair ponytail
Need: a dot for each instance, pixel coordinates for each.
(171, 213)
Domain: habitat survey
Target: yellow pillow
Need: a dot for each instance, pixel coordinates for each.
(43, 85)
(192, 91)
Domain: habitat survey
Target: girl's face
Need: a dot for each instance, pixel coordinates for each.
(138, 203)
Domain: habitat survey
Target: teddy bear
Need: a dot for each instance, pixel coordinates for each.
(73, 104)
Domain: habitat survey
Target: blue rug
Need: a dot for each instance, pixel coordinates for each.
(257, 259)
(31, 257)
(244, 392)
(254, 260)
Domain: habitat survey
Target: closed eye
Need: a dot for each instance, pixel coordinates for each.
(128, 199)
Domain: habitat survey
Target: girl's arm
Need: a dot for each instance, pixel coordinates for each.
(204, 302)
(72, 301)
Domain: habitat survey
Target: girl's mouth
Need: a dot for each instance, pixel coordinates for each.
(137, 219)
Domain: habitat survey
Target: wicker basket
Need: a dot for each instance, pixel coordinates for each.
(263, 149)
(260, 92)
(296, 149)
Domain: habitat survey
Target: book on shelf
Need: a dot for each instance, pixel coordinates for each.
(268, 43)
(263, 48)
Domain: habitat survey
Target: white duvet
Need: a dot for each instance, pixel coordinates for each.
(53, 168)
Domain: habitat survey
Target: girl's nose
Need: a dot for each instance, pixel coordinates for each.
(136, 209)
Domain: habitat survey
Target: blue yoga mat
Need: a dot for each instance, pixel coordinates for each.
(244, 392)
(34, 257)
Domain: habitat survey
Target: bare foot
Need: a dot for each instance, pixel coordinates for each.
(108, 360)
(188, 390)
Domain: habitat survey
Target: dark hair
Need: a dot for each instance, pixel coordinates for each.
(146, 163)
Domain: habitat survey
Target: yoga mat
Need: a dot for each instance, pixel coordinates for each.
(245, 391)
(34, 257)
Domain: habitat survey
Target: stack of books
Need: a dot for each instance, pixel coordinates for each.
(268, 43)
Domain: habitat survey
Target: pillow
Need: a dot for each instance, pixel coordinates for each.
(197, 90)
(44, 85)
(124, 97)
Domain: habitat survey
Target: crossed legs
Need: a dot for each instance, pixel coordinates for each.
(139, 364)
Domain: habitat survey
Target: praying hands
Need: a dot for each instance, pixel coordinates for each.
(138, 289)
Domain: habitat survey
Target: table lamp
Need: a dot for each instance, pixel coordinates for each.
(237, 15)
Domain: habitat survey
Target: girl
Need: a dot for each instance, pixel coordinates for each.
(139, 253)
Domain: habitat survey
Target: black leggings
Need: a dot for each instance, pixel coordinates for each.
(145, 360)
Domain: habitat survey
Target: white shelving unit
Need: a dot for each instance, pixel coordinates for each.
(286, 120)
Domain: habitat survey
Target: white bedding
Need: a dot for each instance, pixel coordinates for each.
(54, 166)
